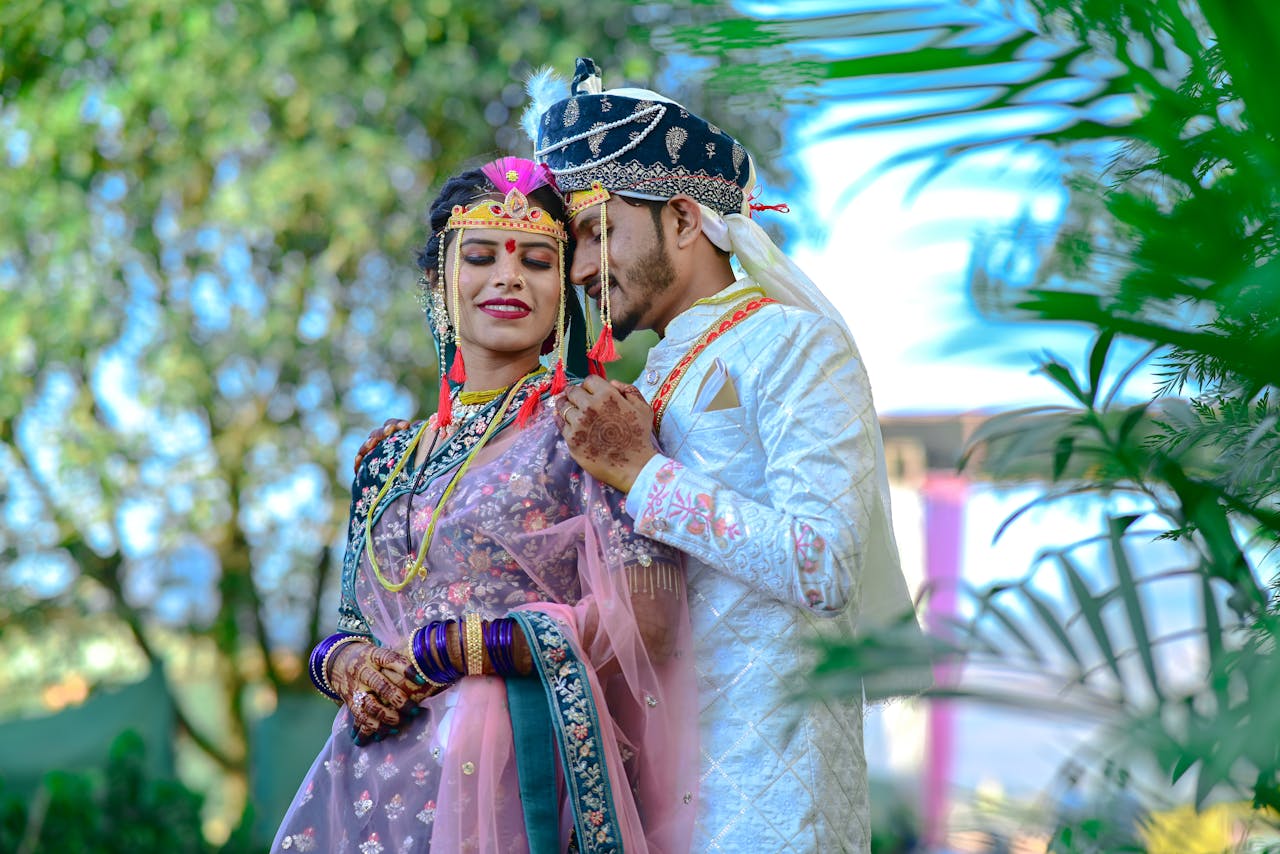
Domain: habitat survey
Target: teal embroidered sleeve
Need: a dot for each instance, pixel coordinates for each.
(372, 474)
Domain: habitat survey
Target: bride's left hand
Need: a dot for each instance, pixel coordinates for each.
(379, 688)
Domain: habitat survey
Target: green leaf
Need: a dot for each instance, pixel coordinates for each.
(1185, 763)
(1090, 607)
(1062, 376)
(1098, 361)
(1132, 418)
(988, 605)
(1062, 455)
(1050, 621)
(1129, 595)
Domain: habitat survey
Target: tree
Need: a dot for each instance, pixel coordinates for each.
(116, 808)
(206, 301)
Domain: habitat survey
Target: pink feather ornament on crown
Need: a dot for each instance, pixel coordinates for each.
(516, 173)
(513, 178)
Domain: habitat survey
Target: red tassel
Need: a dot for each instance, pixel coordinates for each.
(444, 409)
(604, 350)
(559, 382)
(782, 208)
(529, 408)
(457, 370)
(596, 368)
(755, 208)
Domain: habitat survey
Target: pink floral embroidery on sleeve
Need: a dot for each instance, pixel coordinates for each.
(697, 512)
(693, 510)
(667, 472)
(810, 547)
(658, 492)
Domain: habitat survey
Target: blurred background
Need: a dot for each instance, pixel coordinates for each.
(1049, 223)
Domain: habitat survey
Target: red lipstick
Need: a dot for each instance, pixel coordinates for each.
(506, 309)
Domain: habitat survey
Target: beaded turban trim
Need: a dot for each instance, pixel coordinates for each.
(642, 146)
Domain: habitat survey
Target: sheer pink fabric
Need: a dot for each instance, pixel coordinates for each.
(525, 528)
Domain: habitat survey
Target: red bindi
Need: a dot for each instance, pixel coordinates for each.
(511, 246)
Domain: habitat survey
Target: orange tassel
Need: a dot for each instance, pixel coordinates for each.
(444, 409)
(457, 370)
(530, 407)
(604, 350)
(559, 382)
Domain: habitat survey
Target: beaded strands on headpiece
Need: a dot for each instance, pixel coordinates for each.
(444, 335)
(603, 350)
(587, 81)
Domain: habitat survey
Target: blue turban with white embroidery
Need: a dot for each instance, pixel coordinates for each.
(640, 144)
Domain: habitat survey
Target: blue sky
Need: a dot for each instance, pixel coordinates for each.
(893, 251)
(895, 260)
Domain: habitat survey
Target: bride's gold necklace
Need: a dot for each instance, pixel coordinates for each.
(471, 402)
(468, 404)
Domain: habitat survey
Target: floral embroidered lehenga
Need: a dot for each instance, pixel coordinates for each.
(523, 533)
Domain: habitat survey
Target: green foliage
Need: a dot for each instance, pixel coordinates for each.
(1177, 252)
(114, 809)
(1159, 120)
(1217, 725)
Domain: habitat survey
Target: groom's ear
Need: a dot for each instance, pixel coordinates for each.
(688, 220)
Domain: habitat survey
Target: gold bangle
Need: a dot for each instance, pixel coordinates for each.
(473, 646)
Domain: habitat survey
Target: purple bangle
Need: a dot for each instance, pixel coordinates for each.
(497, 642)
(319, 660)
(440, 635)
(505, 626)
(489, 628)
(508, 633)
(422, 653)
(424, 656)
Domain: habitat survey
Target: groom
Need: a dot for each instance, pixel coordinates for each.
(772, 476)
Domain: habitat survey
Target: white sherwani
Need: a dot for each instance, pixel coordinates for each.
(769, 484)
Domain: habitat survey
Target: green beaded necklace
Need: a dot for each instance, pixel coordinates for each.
(418, 566)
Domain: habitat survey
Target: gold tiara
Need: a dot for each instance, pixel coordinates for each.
(513, 213)
(579, 200)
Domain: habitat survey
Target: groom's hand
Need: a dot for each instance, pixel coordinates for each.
(389, 428)
(608, 428)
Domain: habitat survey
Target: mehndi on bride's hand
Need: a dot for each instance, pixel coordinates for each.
(380, 688)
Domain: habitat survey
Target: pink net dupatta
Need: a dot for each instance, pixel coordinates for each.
(612, 659)
(524, 533)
